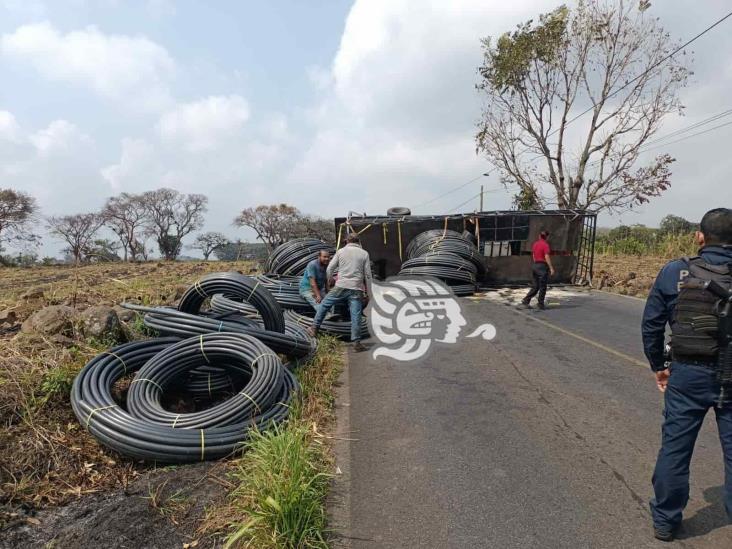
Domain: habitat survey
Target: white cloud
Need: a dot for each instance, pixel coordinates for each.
(203, 124)
(59, 137)
(130, 69)
(9, 128)
(399, 107)
(137, 157)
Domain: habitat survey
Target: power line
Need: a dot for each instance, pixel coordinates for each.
(658, 142)
(463, 204)
(573, 119)
(455, 189)
(649, 69)
(688, 136)
(689, 128)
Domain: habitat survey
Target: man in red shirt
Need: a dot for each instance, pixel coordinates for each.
(541, 270)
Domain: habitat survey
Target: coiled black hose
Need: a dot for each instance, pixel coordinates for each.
(463, 289)
(338, 328)
(232, 352)
(437, 259)
(430, 236)
(447, 255)
(239, 288)
(448, 274)
(169, 321)
(292, 257)
(120, 430)
(286, 291)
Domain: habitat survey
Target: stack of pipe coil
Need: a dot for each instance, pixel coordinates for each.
(446, 255)
(287, 260)
(292, 257)
(227, 353)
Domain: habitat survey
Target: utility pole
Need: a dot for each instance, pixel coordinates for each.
(481, 198)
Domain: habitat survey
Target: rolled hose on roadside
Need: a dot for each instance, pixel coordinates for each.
(338, 328)
(293, 256)
(143, 438)
(286, 291)
(169, 321)
(231, 352)
(239, 288)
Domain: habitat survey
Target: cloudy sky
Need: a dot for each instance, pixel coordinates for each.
(328, 105)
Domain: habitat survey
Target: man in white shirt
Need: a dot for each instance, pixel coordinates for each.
(353, 266)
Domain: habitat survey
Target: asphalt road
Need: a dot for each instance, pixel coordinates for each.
(544, 437)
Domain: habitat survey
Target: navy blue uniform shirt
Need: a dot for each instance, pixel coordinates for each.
(662, 300)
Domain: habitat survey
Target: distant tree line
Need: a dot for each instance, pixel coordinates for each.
(157, 220)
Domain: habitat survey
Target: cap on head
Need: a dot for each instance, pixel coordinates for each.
(716, 226)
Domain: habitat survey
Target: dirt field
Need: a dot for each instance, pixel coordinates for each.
(56, 483)
(627, 275)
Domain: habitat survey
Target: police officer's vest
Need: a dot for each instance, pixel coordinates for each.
(695, 320)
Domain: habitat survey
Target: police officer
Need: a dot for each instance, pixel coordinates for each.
(690, 384)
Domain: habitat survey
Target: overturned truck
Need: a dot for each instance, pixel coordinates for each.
(503, 239)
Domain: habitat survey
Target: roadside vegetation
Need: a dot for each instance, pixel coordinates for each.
(628, 257)
(281, 481)
(273, 495)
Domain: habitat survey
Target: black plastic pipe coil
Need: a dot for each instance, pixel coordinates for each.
(338, 328)
(239, 288)
(145, 431)
(446, 255)
(292, 257)
(294, 342)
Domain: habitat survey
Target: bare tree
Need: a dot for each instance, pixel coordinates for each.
(126, 216)
(77, 231)
(18, 212)
(274, 224)
(607, 57)
(207, 243)
(171, 216)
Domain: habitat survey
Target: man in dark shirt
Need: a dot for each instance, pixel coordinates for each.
(541, 270)
(690, 385)
(313, 285)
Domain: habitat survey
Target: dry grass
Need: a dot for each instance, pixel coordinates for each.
(627, 274)
(48, 458)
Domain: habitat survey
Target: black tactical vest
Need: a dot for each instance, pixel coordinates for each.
(695, 320)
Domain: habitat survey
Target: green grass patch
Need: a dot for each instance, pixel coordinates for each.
(282, 479)
(282, 487)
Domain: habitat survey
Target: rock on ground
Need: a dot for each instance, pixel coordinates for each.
(52, 320)
(101, 322)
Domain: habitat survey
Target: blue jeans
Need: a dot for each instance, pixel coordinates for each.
(309, 296)
(691, 391)
(355, 305)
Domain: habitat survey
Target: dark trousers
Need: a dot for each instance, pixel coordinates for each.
(691, 391)
(540, 273)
